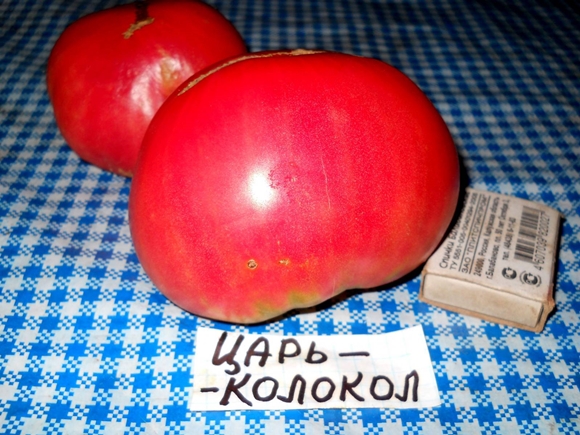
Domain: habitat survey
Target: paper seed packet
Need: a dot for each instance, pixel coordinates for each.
(498, 261)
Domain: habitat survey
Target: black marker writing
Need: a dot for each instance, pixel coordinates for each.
(235, 388)
(264, 354)
(296, 389)
(315, 356)
(289, 348)
(282, 355)
(329, 393)
(288, 399)
(258, 384)
(322, 389)
(373, 389)
(345, 354)
(209, 390)
(413, 375)
(350, 386)
(229, 357)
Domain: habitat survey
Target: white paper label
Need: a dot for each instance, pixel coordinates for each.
(234, 371)
(502, 242)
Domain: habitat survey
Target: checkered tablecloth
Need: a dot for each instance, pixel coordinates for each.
(88, 345)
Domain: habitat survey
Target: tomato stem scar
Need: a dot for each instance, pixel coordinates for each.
(142, 18)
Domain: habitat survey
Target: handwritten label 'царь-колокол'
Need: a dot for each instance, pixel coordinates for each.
(266, 371)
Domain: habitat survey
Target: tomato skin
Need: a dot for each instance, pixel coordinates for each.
(106, 79)
(281, 179)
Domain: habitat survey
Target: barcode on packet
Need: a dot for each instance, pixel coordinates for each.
(528, 234)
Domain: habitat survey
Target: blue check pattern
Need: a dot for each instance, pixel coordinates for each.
(88, 345)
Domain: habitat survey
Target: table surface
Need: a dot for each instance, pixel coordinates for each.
(88, 345)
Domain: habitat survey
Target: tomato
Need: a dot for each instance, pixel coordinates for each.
(109, 72)
(278, 180)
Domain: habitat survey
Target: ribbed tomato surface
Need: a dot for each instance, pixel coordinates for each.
(280, 179)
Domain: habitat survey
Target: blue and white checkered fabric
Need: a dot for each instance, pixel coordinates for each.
(88, 345)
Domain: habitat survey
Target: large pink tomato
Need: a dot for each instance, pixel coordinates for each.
(278, 180)
(109, 72)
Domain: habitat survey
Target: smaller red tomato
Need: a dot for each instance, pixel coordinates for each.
(109, 72)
